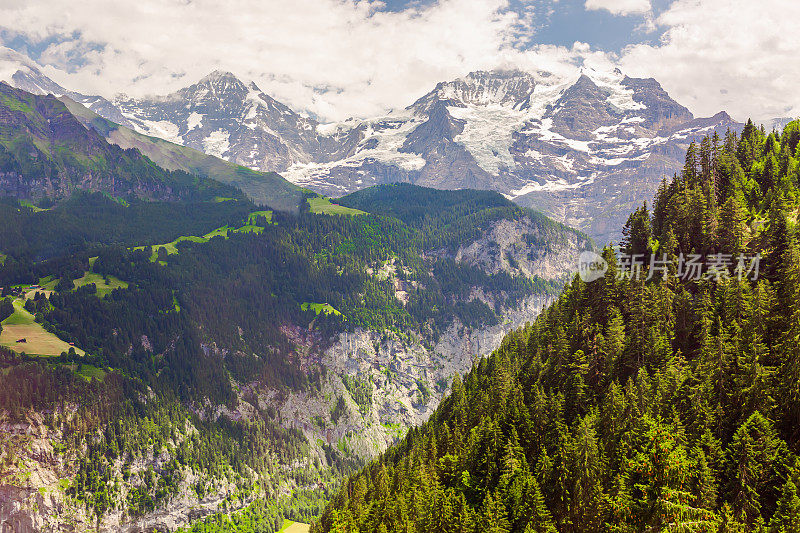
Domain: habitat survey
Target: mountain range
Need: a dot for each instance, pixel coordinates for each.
(215, 354)
(45, 152)
(585, 150)
(189, 339)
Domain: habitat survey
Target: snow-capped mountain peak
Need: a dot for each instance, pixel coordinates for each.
(220, 85)
(23, 73)
(509, 88)
(584, 148)
(12, 61)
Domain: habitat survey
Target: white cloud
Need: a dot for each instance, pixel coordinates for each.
(332, 57)
(733, 55)
(620, 7)
(340, 58)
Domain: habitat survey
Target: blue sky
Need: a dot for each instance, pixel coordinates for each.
(340, 58)
(566, 21)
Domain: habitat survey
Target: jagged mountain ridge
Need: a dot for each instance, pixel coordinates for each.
(22, 73)
(264, 188)
(585, 149)
(45, 152)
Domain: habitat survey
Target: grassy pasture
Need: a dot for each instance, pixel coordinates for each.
(293, 527)
(172, 247)
(49, 283)
(252, 217)
(103, 287)
(324, 206)
(21, 325)
(35, 209)
(90, 372)
(325, 308)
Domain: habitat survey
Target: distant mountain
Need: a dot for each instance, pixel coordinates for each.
(778, 123)
(22, 73)
(582, 150)
(265, 188)
(45, 152)
(585, 150)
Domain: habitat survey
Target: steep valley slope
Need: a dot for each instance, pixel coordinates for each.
(257, 357)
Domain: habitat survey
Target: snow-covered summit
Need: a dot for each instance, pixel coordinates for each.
(511, 88)
(584, 147)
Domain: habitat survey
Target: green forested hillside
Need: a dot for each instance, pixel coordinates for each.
(447, 219)
(241, 290)
(172, 352)
(630, 405)
(46, 153)
(85, 220)
(413, 204)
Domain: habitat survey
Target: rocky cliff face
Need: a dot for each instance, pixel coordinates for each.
(521, 247)
(388, 383)
(38, 466)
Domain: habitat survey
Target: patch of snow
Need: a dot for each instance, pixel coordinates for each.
(328, 130)
(567, 162)
(195, 120)
(252, 111)
(544, 96)
(385, 136)
(216, 143)
(552, 185)
(612, 162)
(618, 95)
(543, 130)
(534, 154)
(488, 134)
(156, 128)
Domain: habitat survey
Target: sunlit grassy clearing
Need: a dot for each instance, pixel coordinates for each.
(325, 308)
(104, 285)
(172, 247)
(324, 206)
(21, 325)
(293, 527)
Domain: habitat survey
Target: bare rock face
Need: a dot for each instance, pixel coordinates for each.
(521, 247)
(388, 383)
(38, 467)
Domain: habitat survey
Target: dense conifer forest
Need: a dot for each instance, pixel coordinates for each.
(210, 296)
(242, 288)
(631, 404)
